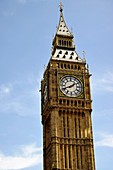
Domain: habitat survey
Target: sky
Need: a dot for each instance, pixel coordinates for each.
(26, 32)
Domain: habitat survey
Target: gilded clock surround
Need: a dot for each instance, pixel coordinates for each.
(67, 124)
(71, 86)
(76, 77)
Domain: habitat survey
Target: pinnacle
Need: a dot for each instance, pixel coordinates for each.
(62, 29)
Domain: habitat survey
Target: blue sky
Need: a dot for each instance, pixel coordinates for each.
(26, 31)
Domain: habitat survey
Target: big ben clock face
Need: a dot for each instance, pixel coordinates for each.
(71, 86)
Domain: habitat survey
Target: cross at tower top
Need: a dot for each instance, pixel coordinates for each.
(62, 28)
(61, 6)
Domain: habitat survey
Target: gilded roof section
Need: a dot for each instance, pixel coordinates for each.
(66, 55)
(62, 29)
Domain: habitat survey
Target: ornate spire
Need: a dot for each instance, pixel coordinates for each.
(62, 29)
(63, 43)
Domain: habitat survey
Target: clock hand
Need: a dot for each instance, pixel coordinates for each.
(69, 86)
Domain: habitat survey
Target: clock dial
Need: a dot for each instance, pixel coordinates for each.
(71, 86)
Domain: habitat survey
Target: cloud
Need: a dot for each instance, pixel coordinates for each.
(103, 83)
(5, 89)
(106, 113)
(16, 106)
(22, 105)
(30, 149)
(20, 97)
(105, 141)
(25, 156)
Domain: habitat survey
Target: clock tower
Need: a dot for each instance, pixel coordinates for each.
(66, 106)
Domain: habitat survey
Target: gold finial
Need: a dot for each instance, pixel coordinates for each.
(84, 55)
(61, 6)
(44, 67)
(71, 30)
(87, 67)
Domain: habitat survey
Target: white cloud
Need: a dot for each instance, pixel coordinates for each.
(5, 89)
(20, 105)
(106, 140)
(15, 106)
(30, 149)
(106, 113)
(25, 156)
(103, 83)
(17, 96)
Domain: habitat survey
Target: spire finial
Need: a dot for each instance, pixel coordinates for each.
(61, 6)
(84, 55)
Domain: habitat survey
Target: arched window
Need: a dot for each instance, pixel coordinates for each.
(59, 42)
(64, 43)
(70, 43)
(67, 43)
